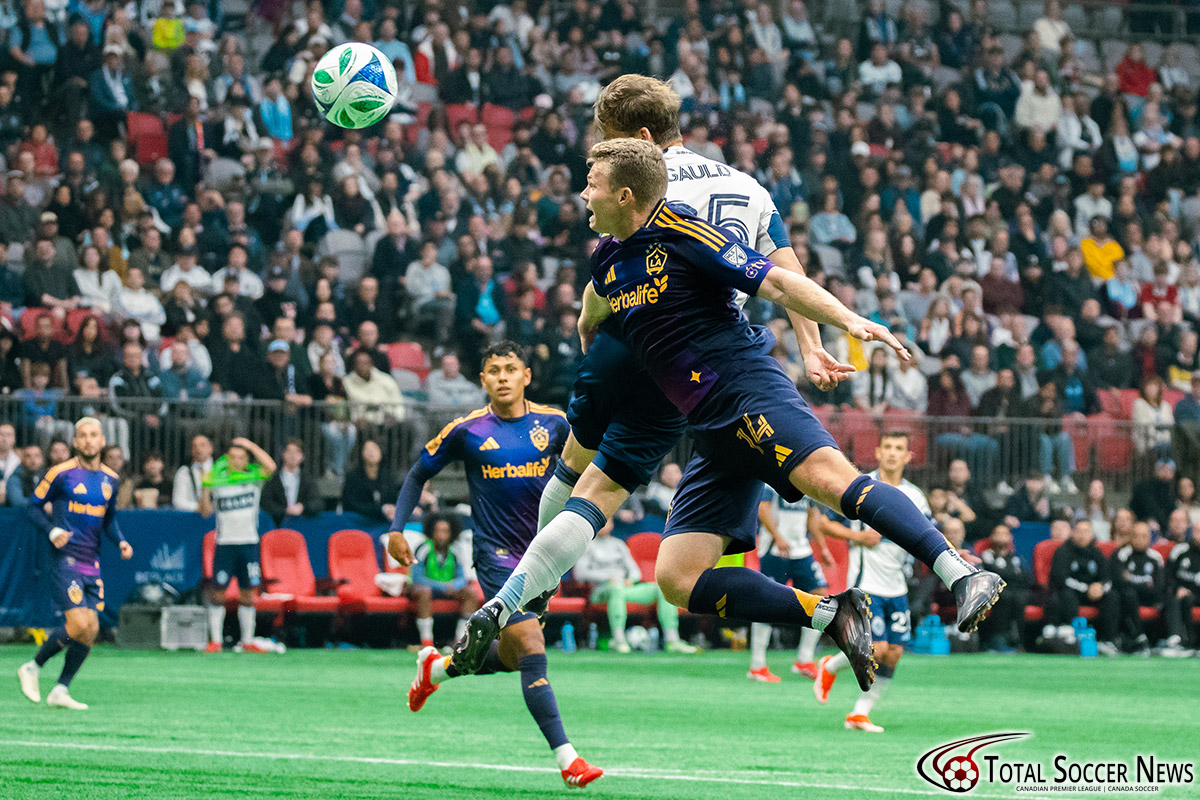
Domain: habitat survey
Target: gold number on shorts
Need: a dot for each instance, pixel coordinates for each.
(753, 435)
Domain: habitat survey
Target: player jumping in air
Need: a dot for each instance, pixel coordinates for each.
(877, 566)
(508, 448)
(83, 496)
(787, 555)
(233, 488)
(668, 279)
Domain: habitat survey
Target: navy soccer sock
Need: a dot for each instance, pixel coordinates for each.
(491, 664)
(888, 510)
(746, 594)
(76, 653)
(56, 640)
(539, 698)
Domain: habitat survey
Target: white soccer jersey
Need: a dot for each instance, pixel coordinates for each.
(879, 570)
(791, 520)
(235, 496)
(725, 197)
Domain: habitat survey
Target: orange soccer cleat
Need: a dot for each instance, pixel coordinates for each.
(422, 686)
(580, 774)
(763, 675)
(806, 668)
(213, 647)
(859, 722)
(823, 681)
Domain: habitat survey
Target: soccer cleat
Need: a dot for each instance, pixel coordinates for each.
(213, 647)
(59, 697)
(422, 686)
(975, 594)
(27, 673)
(621, 647)
(483, 627)
(249, 647)
(823, 681)
(580, 774)
(850, 630)
(539, 604)
(680, 646)
(763, 675)
(806, 668)
(859, 722)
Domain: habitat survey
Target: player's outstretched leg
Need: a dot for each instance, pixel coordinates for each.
(827, 476)
(433, 668)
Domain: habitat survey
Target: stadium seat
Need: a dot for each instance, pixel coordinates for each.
(979, 547)
(409, 356)
(644, 549)
(1114, 451)
(1107, 548)
(139, 124)
(1043, 554)
(352, 564)
(499, 121)
(1110, 402)
(287, 570)
(1034, 613)
(1127, 397)
(836, 575)
(150, 148)
(458, 113)
(1164, 548)
(1082, 439)
(350, 250)
(28, 322)
(1173, 396)
(208, 549)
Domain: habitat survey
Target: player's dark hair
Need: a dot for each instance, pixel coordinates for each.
(896, 435)
(504, 347)
(298, 442)
(431, 521)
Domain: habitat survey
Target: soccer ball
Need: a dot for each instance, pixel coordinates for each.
(961, 775)
(354, 85)
(638, 638)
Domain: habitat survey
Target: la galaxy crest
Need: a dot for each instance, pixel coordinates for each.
(106, 490)
(539, 436)
(75, 593)
(656, 259)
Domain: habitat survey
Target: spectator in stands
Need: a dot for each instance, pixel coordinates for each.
(1030, 503)
(1002, 629)
(25, 478)
(369, 486)
(440, 573)
(480, 309)
(249, 285)
(1051, 441)
(10, 458)
(182, 383)
(428, 284)
(1038, 108)
(43, 348)
(1186, 436)
(339, 434)
(1152, 418)
(131, 391)
(1186, 501)
(447, 386)
(153, 489)
(1134, 75)
(97, 289)
(1183, 593)
(237, 366)
(48, 285)
(661, 491)
(368, 342)
(871, 387)
(1179, 527)
(39, 407)
(1110, 367)
(185, 270)
(1154, 498)
(1080, 575)
(978, 378)
(189, 479)
(965, 499)
(277, 301)
(1138, 580)
(374, 396)
(136, 303)
(291, 492)
(372, 306)
(1075, 390)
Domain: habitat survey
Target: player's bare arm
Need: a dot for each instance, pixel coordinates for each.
(805, 296)
(595, 310)
(264, 460)
(206, 503)
(767, 520)
(817, 536)
(827, 527)
(823, 370)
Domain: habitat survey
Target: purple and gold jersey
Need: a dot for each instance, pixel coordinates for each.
(84, 502)
(671, 286)
(508, 462)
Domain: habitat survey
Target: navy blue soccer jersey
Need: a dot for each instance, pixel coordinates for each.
(508, 462)
(671, 286)
(84, 502)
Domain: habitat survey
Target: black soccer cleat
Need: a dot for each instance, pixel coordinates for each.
(541, 603)
(483, 628)
(851, 632)
(975, 595)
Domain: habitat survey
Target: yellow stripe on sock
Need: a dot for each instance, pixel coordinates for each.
(807, 601)
(721, 605)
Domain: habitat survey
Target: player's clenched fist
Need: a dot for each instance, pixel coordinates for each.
(398, 549)
(126, 550)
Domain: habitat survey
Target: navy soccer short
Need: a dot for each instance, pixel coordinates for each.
(493, 565)
(711, 499)
(237, 561)
(891, 621)
(804, 572)
(78, 586)
(618, 411)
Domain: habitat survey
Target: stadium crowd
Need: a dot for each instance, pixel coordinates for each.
(180, 229)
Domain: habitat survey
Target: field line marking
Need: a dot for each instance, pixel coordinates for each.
(633, 772)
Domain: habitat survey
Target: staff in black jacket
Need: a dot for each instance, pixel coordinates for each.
(1008, 615)
(1138, 581)
(1079, 576)
(291, 492)
(1183, 589)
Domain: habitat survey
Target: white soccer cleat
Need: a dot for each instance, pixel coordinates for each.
(680, 646)
(28, 675)
(59, 697)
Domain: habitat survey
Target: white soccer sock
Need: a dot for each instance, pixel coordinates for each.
(837, 663)
(246, 622)
(618, 635)
(554, 496)
(950, 566)
(807, 651)
(460, 630)
(565, 755)
(670, 636)
(869, 698)
(437, 673)
(216, 624)
(760, 637)
(425, 628)
(551, 553)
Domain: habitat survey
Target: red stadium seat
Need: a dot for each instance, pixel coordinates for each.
(980, 546)
(1110, 403)
(1107, 548)
(1164, 548)
(1173, 396)
(457, 114)
(1114, 451)
(208, 549)
(836, 575)
(287, 570)
(1043, 554)
(644, 549)
(861, 430)
(139, 124)
(29, 318)
(1082, 438)
(499, 121)
(409, 356)
(1034, 613)
(352, 563)
(1127, 397)
(1147, 613)
(150, 148)
(1089, 612)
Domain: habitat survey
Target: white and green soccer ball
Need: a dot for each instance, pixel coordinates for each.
(354, 85)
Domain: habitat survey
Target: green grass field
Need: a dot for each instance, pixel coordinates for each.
(333, 724)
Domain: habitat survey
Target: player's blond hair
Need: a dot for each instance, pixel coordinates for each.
(633, 102)
(634, 164)
(84, 421)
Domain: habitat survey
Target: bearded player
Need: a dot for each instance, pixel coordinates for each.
(508, 448)
(83, 496)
